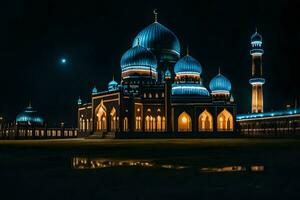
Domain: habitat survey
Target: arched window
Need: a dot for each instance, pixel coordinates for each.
(83, 125)
(87, 125)
(184, 122)
(101, 117)
(225, 121)
(113, 119)
(125, 124)
(159, 128)
(163, 124)
(153, 124)
(80, 124)
(147, 123)
(138, 123)
(205, 121)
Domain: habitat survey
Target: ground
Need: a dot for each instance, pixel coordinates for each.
(211, 169)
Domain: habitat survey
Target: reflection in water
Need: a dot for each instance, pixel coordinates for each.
(99, 163)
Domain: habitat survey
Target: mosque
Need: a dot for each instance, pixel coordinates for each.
(160, 90)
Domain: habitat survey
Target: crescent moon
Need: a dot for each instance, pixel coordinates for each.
(155, 11)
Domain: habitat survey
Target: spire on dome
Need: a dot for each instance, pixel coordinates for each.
(219, 70)
(187, 50)
(155, 15)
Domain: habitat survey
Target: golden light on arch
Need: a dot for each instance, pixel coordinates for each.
(101, 117)
(225, 121)
(205, 121)
(184, 122)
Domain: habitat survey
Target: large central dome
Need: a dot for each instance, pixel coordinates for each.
(160, 40)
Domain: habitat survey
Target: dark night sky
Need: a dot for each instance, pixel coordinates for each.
(93, 36)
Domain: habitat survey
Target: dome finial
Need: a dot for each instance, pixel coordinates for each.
(113, 78)
(187, 50)
(219, 70)
(256, 29)
(29, 103)
(155, 15)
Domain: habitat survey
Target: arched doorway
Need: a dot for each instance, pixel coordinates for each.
(184, 122)
(225, 121)
(101, 117)
(205, 121)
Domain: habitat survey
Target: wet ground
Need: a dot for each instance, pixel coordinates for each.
(151, 169)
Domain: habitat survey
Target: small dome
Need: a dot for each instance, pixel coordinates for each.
(187, 65)
(112, 85)
(94, 91)
(189, 89)
(220, 84)
(79, 101)
(160, 40)
(138, 61)
(168, 74)
(29, 117)
(256, 37)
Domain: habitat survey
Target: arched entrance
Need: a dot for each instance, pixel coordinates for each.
(101, 117)
(205, 121)
(184, 122)
(225, 121)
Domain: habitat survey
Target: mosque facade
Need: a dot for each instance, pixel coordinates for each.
(161, 90)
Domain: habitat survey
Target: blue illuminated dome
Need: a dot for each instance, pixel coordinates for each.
(29, 117)
(79, 101)
(220, 85)
(187, 65)
(138, 61)
(94, 91)
(160, 40)
(168, 74)
(189, 89)
(112, 85)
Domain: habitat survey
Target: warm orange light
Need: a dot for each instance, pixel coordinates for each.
(184, 119)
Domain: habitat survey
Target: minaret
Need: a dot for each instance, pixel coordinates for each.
(257, 79)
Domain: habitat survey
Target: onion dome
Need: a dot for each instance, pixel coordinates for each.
(189, 89)
(94, 90)
(168, 74)
(220, 85)
(187, 65)
(256, 37)
(160, 40)
(137, 62)
(29, 117)
(112, 85)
